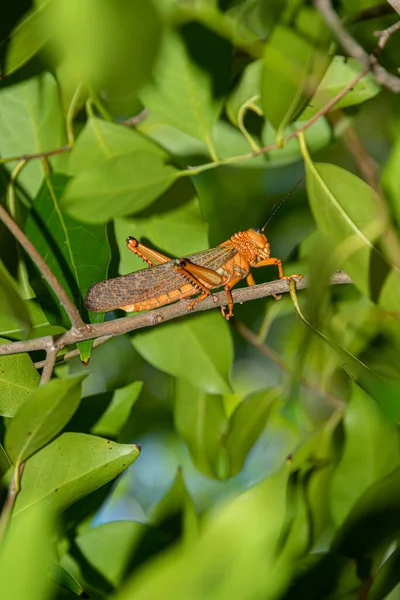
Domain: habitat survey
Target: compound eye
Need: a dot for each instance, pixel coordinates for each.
(257, 230)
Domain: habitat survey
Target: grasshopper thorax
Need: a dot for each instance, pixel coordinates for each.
(251, 244)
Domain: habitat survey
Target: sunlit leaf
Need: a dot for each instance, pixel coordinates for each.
(76, 464)
(77, 254)
(114, 418)
(18, 378)
(340, 73)
(42, 417)
(31, 121)
(190, 79)
(120, 186)
(344, 207)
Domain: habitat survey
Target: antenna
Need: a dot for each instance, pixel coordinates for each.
(275, 210)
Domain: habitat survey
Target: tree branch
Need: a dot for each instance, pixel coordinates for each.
(28, 157)
(353, 48)
(160, 315)
(70, 309)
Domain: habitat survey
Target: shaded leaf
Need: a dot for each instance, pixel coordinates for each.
(18, 378)
(65, 579)
(42, 417)
(11, 304)
(178, 232)
(77, 254)
(26, 556)
(201, 421)
(120, 186)
(190, 78)
(295, 61)
(373, 521)
(26, 39)
(109, 547)
(78, 464)
(202, 351)
(370, 440)
(246, 425)
(386, 578)
(40, 324)
(113, 419)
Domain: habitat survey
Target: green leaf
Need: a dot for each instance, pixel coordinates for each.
(112, 45)
(295, 61)
(178, 500)
(391, 174)
(26, 556)
(26, 39)
(42, 417)
(114, 418)
(202, 351)
(177, 232)
(340, 73)
(77, 464)
(246, 425)
(65, 579)
(120, 186)
(344, 207)
(40, 324)
(190, 79)
(373, 521)
(235, 553)
(77, 254)
(11, 304)
(109, 548)
(101, 140)
(386, 578)
(201, 421)
(370, 440)
(18, 378)
(31, 121)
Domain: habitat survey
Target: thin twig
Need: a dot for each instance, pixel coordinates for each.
(29, 157)
(8, 506)
(136, 119)
(49, 365)
(70, 309)
(72, 353)
(265, 350)
(353, 48)
(160, 315)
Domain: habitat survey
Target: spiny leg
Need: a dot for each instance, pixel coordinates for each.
(276, 261)
(152, 257)
(227, 288)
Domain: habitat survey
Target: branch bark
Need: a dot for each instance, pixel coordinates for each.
(353, 48)
(160, 315)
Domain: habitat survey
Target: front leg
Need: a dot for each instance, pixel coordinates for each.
(276, 261)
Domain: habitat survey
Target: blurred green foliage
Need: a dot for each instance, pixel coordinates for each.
(266, 456)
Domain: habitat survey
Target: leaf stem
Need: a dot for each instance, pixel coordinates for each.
(8, 506)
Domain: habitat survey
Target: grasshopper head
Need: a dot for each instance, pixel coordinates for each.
(260, 242)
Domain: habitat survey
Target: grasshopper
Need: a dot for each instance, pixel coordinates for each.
(170, 279)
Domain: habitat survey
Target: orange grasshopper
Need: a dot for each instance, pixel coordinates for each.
(170, 279)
